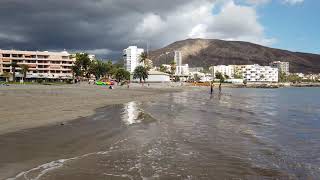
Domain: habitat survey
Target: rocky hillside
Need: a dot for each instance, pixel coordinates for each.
(207, 52)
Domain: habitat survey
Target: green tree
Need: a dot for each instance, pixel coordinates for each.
(226, 76)
(163, 69)
(238, 76)
(24, 71)
(98, 69)
(282, 77)
(140, 73)
(122, 74)
(111, 69)
(14, 65)
(6, 75)
(83, 63)
(294, 78)
(76, 71)
(220, 76)
(173, 67)
(196, 78)
(143, 58)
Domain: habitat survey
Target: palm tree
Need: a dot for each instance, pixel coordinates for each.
(6, 75)
(140, 73)
(13, 67)
(220, 76)
(122, 74)
(24, 70)
(143, 58)
(163, 69)
(173, 67)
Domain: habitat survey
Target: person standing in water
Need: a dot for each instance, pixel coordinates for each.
(211, 88)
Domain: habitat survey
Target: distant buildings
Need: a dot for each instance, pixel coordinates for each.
(181, 69)
(131, 56)
(41, 64)
(257, 73)
(282, 66)
(223, 69)
(178, 58)
(250, 73)
(196, 69)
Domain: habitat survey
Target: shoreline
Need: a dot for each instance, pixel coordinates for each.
(261, 85)
(32, 106)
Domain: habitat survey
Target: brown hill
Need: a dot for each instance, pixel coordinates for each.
(207, 52)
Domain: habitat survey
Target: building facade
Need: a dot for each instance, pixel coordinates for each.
(224, 70)
(41, 64)
(196, 69)
(131, 56)
(257, 73)
(282, 66)
(178, 58)
(182, 70)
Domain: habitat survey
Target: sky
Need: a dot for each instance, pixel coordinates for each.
(105, 27)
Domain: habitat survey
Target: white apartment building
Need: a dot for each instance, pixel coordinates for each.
(224, 70)
(42, 64)
(178, 58)
(131, 57)
(257, 73)
(196, 69)
(182, 70)
(282, 66)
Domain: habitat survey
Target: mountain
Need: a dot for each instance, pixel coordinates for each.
(208, 52)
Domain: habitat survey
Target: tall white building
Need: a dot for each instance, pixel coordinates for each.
(257, 73)
(178, 58)
(182, 70)
(282, 66)
(224, 70)
(131, 56)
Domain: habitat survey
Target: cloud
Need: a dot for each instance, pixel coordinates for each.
(258, 2)
(99, 51)
(107, 26)
(293, 2)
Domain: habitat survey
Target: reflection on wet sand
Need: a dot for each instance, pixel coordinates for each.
(131, 113)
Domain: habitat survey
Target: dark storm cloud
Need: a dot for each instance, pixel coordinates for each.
(108, 26)
(74, 24)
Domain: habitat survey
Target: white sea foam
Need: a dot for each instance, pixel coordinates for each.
(43, 169)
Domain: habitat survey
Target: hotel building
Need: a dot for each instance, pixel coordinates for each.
(131, 56)
(282, 66)
(257, 73)
(42, 64)
(223, 69)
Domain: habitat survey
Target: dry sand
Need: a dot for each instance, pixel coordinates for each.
(30, 106)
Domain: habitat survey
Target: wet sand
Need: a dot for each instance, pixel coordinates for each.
(236, 134)
(29, 106)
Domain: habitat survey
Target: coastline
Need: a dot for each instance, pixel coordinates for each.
(260, 85)
(30, 106)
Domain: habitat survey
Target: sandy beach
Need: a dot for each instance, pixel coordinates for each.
(30, 106)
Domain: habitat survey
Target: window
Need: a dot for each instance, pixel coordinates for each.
(5, 55)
